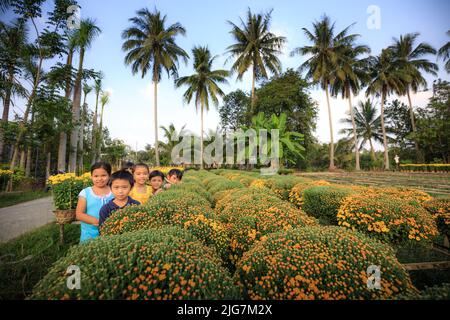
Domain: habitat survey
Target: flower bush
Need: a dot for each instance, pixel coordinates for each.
(211, 233)
(166, 170)
(171, 207)
(324, 202)
(319, 263)
(440, 209)
(168, 263)
(66, 187)
(388, 218)
(296, 193)
(413, 196)
(251, 215)
(193, 187)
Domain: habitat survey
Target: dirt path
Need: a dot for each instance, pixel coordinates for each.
(21, 218)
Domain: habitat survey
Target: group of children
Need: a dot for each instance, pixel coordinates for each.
(111, 192)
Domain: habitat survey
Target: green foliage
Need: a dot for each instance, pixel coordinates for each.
(319, 263)
(26, 259)
(323, 202)
(167, 263)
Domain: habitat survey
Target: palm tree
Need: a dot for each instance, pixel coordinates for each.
(410, 58)
(13, 39)
(71, 45)
(385, 78)
(444, 53)
(324, 57)
(368, 125)
(203, 85)
(86, 90)
(172, 135)
(98, 89)
(84, 36)
(150, 46)
(350, 72)
(104, 100)
(255, 47)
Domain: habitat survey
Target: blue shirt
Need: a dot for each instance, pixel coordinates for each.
(93, 206)
(108, 208)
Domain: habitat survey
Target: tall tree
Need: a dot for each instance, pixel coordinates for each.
(86, 90)
(349, 74)
(368, 125)
(324, 55)
(203, 85)
(385, 78)
(13, 40)
(444, 53)
(71, 46)
(151, 46)
(104, 100)
(411, 58)
(256, 47)
(84, 36)
(98, 89)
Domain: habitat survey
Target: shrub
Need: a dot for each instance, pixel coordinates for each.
(413, 196)
(66, 188)
(158, 264)
(296, 193)
(319, 263)
(282, 185)
(195, 188)
(440, 292)
(224, 185)
(254, 215)
(387, 218)
(440, 209)
(211, 233)
(324, 202)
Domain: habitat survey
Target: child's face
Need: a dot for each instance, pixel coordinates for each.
(100, 177)
(173, 179)
(120, 189)
(156, 182)
(140, 175)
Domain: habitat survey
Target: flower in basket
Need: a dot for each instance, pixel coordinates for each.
(66, 188)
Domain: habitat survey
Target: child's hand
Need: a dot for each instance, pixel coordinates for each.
(95, 222)
(158, 191)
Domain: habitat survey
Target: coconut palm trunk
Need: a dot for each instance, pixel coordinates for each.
(253, 89)
(383, 128)
(22, 125)
(155, 114)
(355, 139)
(94, 131)
(372, 151)
(5, 116)
(76, 116)
(81, 139)
(413, 124)
(201, 136)
(332, 167)
(62, 148)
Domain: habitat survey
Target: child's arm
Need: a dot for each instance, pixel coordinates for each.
(82, 216)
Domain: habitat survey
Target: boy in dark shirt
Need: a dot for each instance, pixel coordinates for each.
(121, 183)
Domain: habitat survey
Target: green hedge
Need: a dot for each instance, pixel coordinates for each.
(168, 263)
(323, 202)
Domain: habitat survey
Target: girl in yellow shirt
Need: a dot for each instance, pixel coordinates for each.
(141, 191)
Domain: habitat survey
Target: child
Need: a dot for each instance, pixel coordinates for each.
(127, 166)
(173, 177)
(91, 199)
(141, 191)
(120, 183)
(156, 181)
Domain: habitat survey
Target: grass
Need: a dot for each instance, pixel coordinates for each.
(10, 199)
(26, 259)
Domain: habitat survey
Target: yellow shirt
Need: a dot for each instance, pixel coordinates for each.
(141, 197)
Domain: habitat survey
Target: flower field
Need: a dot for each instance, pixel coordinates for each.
(238, 235)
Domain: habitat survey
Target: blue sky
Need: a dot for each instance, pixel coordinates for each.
(129, 116)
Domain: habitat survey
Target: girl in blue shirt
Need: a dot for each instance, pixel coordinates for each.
(91, 199)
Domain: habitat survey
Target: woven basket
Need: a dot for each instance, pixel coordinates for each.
(65, 216)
